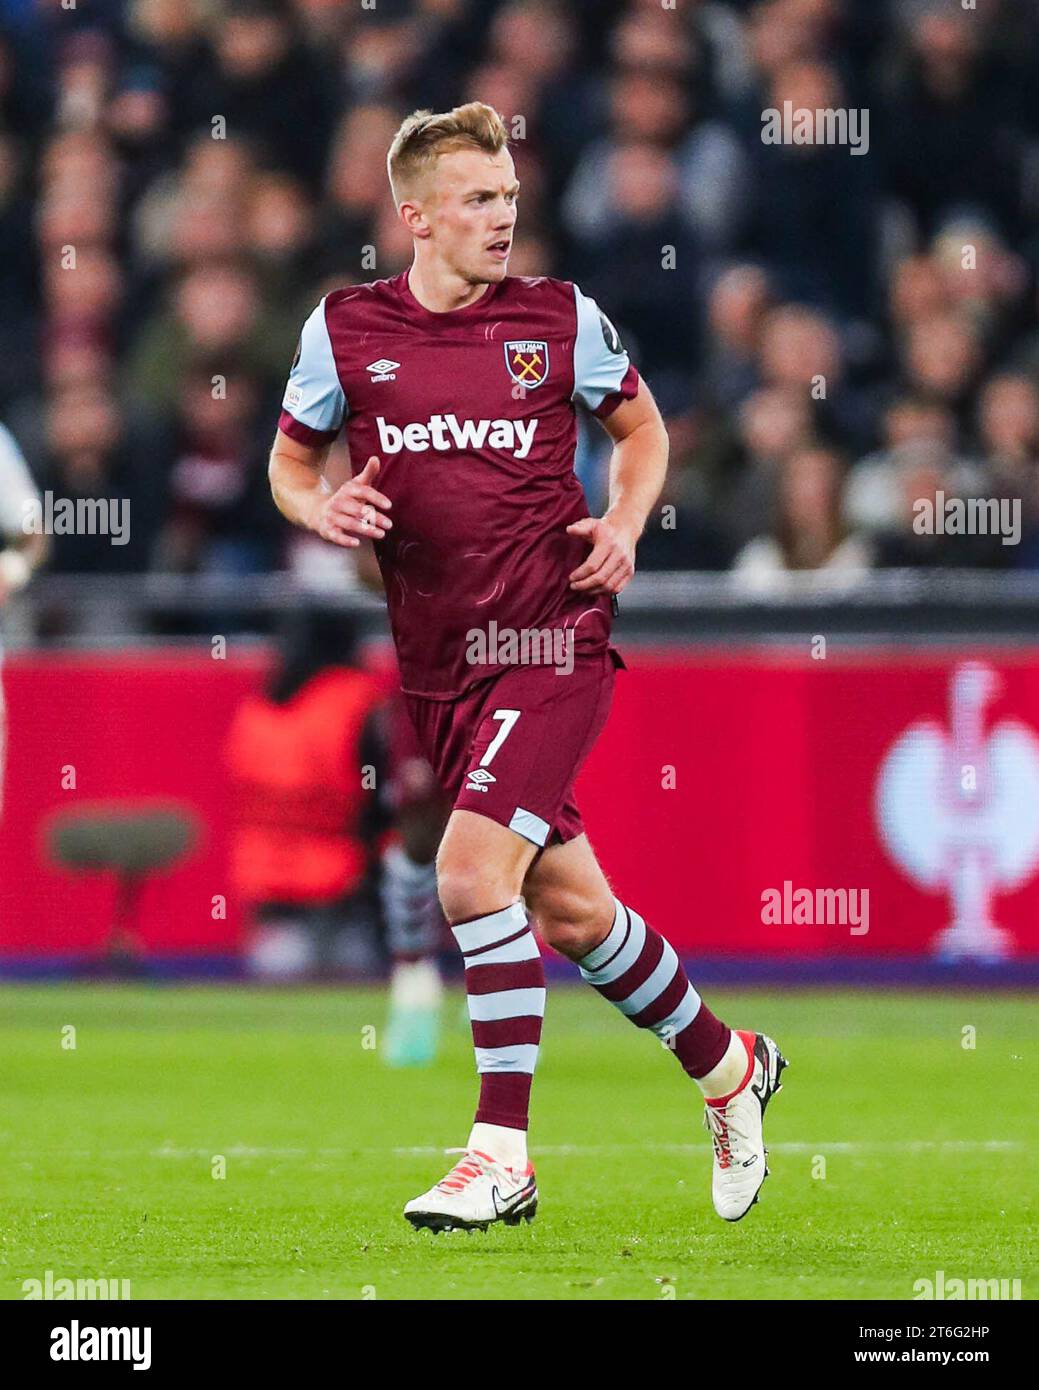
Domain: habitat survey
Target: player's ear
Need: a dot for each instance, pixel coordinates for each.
(414, 218)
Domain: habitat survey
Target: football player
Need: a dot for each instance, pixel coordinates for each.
(458, 387)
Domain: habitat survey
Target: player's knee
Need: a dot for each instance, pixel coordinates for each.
(573, 927)
(468, 889)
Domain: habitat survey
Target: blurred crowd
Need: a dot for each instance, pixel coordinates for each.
(831, 335)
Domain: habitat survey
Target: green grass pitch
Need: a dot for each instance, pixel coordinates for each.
(895, 1150)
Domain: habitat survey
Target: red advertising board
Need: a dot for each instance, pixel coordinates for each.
(859, 804)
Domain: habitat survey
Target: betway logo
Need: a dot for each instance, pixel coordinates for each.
(446, 432)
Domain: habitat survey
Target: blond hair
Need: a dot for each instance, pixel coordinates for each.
(425, 135)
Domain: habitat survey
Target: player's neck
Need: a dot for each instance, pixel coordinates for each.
(441, 291)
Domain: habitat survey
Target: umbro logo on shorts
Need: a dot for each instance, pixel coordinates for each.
(478, 779)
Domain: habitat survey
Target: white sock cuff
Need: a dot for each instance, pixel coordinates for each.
(605, 949)
(487, 931)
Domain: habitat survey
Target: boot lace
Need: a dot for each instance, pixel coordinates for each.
(471, 1165)
(714, 1121)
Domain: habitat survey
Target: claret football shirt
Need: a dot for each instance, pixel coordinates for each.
(472, 414)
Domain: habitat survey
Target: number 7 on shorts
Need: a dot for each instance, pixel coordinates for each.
(508, 719)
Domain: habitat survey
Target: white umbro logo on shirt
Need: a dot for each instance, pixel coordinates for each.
(478, 779)
(383, 369)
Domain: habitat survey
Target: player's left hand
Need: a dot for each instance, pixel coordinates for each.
(612, 562)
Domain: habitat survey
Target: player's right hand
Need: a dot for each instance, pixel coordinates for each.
(355, 511)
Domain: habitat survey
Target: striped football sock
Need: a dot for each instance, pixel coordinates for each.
(505, 987)
(410, 907)
(638, 971)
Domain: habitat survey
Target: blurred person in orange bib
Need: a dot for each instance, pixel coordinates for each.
(302, 850)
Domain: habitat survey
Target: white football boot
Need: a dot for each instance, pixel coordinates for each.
(477, 1193)
(740, 1165)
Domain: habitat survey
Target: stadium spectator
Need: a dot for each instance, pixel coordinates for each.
(816, 213)
(915, 428)
(94, 456)
(959, 102)
(735, 310)
(214, 309)
(1008, 431)
(217, 518)
(644, 263)
(808, 532)
(772, 424)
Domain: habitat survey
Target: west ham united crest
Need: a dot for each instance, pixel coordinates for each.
(527, 362)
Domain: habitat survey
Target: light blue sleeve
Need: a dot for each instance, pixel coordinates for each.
(600, 362)
(314, 396)
(17, 490)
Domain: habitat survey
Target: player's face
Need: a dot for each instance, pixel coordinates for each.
(471, 212)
